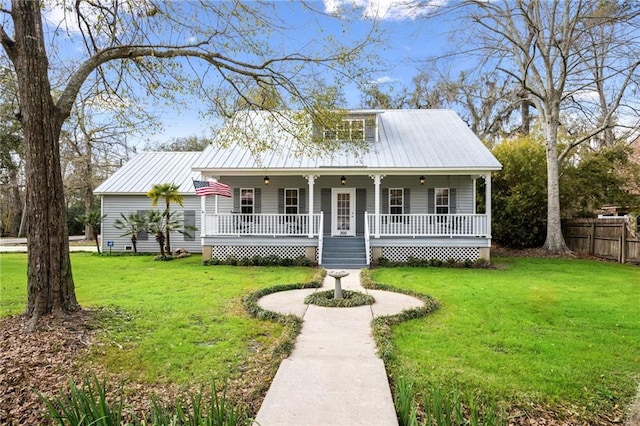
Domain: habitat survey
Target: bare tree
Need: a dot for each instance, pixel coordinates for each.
(486, 102)
(222, 44)
(96, 135)
(549, 47)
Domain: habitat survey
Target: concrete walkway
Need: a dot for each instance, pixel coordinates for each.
(333, 376)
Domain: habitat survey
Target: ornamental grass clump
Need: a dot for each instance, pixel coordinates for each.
(443, 406)
(91, 405)
(350, 299)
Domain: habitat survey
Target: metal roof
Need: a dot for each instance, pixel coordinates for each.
(146, 169)
(424, 140)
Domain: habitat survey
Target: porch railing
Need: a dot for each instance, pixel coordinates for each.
(320, 239)
(261, 224)
(367, 243)
(430, 225)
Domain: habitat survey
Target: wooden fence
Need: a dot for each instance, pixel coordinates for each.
(615, 238)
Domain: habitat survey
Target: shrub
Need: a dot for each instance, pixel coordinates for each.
(270, 260)
(349, 299)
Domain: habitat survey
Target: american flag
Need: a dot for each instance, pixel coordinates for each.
(204, 187)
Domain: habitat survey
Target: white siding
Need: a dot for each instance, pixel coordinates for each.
(113, 205)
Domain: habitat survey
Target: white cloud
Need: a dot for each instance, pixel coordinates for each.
(59, 16)
(392, 10)
(384, 80)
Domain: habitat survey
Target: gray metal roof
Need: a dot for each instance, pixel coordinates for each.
(418, 140)
(145, 169)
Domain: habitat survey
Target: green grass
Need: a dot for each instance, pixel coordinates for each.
(557, 332)
(174, 321)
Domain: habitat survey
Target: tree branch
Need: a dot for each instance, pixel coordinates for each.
(259, 71)
(8, 43)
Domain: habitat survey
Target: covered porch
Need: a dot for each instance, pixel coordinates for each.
(396, 220)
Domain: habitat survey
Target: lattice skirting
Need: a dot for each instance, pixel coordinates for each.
(402, 254)
(239, 252)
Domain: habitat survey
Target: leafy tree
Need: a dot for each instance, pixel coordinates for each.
(132, 225)
(519, 201)
(593, 178)
(93, 220)
(169, 193)
(155, 48)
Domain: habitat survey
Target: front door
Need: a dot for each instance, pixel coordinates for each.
(343, 208)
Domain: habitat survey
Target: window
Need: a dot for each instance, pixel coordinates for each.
(189, 224)
(143, 234)
(291, 196)
(347, 130)
(396, 201)
(442, 200)
(247, 200)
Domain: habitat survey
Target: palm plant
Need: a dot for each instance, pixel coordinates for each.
(169, 193)
(92, 219)
(160, 224)
(132, 225)
(155, 225)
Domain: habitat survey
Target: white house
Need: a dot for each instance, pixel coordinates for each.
(409, 193)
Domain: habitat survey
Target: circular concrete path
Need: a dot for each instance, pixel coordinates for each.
(333, 376)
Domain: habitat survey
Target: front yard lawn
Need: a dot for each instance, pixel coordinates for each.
(175, 321)
(559, 333)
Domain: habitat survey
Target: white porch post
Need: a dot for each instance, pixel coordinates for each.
(376, 181)
(487, 179)
(311, 179)
(475, 198)
(203, 222)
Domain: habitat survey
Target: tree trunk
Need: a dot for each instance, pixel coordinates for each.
(160, 240)
(168, 230)
(87, 173)
(13, 227)
(555, 241)
(49, 281)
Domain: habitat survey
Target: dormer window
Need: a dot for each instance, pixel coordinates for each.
(349, 129)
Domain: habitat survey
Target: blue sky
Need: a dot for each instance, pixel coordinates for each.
(406, 39)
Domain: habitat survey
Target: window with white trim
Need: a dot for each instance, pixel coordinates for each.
(247, 200)
(291, 200)
(349, 129)
(442, 200)
(396, 201)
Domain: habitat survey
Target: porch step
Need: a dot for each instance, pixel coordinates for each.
(343, 252)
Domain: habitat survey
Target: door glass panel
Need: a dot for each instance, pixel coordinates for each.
(344, 211)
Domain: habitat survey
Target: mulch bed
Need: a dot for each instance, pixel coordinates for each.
(43, 360)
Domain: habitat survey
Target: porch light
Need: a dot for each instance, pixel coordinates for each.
(421, 180)
(266, 180)
(343, 180)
